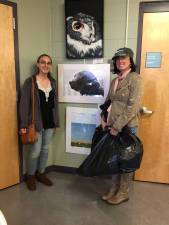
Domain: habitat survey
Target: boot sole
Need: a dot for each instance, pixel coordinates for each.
(106, 198)
(103, 199)
(31, 188)
(111, 203)
(45, 183)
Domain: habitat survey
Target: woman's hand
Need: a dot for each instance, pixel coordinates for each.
(113, 131)
(104, 124)
(23, 131)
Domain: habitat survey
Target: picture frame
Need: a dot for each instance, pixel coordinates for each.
(83, 83)
(84, 29)
(80, 127)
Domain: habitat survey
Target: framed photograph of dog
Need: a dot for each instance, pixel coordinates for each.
(83, 83)
(84, 29)
(80, 126)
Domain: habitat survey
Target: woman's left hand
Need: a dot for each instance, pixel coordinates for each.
(113, 131)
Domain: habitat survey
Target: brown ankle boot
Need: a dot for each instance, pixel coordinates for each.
(118, 198)
(110, 193)
(31, 182)
(41, 177)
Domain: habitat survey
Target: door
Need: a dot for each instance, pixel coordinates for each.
(154, 122)
(9, 149)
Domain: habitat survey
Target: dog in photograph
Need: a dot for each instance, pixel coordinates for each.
(83, 37)
(86, 83)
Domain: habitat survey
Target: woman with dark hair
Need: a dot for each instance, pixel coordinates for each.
(46, 118)
(125, 94)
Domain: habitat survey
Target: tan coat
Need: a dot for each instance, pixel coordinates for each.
(125, 102)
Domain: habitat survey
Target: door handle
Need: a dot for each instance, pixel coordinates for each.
(145, 111)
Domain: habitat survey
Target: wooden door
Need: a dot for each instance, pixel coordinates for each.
(9, 154)
(154, 128)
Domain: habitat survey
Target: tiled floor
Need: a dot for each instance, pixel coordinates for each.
(75, 200)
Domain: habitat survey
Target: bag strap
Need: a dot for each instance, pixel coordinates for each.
(33, 101)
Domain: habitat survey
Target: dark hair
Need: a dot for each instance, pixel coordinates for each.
(43, 55)
(38, 59)
(116, 71)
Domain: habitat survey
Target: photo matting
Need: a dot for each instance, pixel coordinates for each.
(80, 127)
(83, 83)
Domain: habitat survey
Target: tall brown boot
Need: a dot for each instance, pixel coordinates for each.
(123, 193)
(114, 188)
(31, 184)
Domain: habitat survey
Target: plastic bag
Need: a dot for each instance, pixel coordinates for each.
(98, 134)
(131, 152)
(113, 154)
(96, 162)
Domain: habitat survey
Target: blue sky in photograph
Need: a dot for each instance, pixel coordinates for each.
(82, 132)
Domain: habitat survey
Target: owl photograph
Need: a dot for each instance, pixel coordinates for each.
(84, 29)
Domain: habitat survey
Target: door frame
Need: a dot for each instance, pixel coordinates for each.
(17, 75)
(147, 7)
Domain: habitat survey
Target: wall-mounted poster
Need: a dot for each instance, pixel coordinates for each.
(83, 83)
(80, 127)
(84, 29)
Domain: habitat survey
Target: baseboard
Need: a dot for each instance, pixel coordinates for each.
(63, 169)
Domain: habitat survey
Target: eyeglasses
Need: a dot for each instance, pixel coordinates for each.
(45, 63)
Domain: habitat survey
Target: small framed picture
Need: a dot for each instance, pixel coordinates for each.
(83, 83)
(80, 127)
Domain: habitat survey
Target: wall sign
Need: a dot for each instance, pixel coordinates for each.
(153, 60)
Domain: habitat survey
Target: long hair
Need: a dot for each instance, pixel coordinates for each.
(117, 71)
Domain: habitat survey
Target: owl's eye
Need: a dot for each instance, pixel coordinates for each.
(77, 26)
